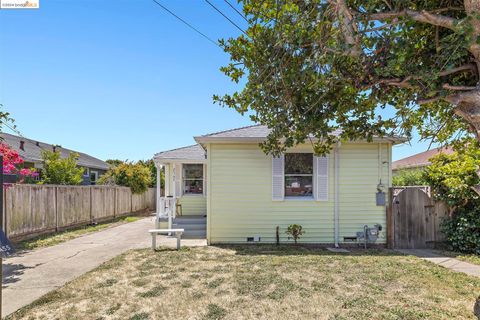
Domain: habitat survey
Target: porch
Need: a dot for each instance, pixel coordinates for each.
(181, 203)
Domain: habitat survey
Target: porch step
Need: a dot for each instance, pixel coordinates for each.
(195, 234)
(189, 226)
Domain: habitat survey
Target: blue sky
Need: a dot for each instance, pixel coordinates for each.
(119, 78)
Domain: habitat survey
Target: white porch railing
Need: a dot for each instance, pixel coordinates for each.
(167, 209)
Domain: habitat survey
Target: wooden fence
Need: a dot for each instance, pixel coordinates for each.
(38, 209)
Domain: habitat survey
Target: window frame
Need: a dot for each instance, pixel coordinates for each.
(312, 175)
(185, 179)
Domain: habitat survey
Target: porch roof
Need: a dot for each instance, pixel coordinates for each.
(194, 153)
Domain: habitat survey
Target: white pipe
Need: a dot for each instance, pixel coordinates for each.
(337, 194)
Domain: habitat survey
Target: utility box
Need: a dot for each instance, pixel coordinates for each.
(380, 198)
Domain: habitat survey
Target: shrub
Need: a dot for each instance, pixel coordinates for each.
(295, 231)
(134, 175)
(463, 230)
(409, 177)
(451, 178)
(58, 170)
(12, 163)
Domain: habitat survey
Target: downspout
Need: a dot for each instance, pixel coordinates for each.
(336, 211)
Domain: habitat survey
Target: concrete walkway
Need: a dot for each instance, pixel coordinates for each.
(447, 262)
(29, 276)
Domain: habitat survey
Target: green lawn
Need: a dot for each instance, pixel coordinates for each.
(261, 282)
(53, 239)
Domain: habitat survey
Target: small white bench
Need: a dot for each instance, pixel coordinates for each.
(177, 232)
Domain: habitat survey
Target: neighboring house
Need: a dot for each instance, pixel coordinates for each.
(246, 194)
(31, 153)
(419, 160)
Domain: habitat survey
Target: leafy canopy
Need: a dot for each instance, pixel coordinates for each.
(453, 176)
(369, 67)
(137, 176)
(409, 177)
(58, 170)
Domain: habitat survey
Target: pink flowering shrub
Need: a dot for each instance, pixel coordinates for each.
(12, 161)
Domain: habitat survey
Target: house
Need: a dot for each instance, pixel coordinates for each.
(419, 160)
(245, 193)
(31, 153)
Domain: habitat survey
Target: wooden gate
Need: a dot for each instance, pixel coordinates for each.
(414, 219)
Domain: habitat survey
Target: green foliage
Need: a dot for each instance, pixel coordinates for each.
(295, 231)
(409, 177)
(463, 229)
(58, 170)
(114, 162)
(452, 177)
(307, 71)
(153, 173)
(137, 176)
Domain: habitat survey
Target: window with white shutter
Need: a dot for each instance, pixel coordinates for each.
(298, 175)
(321, 178)
(277, 178)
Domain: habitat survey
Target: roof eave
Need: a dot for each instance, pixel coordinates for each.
(203, 140)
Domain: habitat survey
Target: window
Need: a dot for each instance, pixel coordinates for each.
(299, 174)
(93, 176)
(193, 179)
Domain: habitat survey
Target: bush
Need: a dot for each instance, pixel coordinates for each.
(451, 178)
(409, 177)
(134, 175)
(295, 230)
(58, 170)
(463, 230)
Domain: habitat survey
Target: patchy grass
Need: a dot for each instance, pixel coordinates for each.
(261, 282)
(471, 258)
(53, 239)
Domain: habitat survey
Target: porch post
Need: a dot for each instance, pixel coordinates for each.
(159, 194)
(167, 180)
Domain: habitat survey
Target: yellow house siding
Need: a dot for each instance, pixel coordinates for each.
(241, 203)
(240, 195)
(359, 176)
(193, 205)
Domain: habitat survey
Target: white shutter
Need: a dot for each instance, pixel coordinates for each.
(177, 176)
(278, 189)
(205, 180)
(321, 178)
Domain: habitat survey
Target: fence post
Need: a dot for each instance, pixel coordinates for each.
(115, 212)
(390, 220)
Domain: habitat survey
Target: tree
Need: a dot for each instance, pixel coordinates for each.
(12, 164)
(409, 177)
(58, 170)
(114, 162)
(451, 178)
(311, 67)
(134, 175)
(153, 173)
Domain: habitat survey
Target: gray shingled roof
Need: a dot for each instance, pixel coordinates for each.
(33, 152)
(195, 152)
(256, 131)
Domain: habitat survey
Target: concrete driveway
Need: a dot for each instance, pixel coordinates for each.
(28, 276)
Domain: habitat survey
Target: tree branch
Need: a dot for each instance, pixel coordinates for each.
(465, 67)
(447, 86)
(420, 16)
(349, 28)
